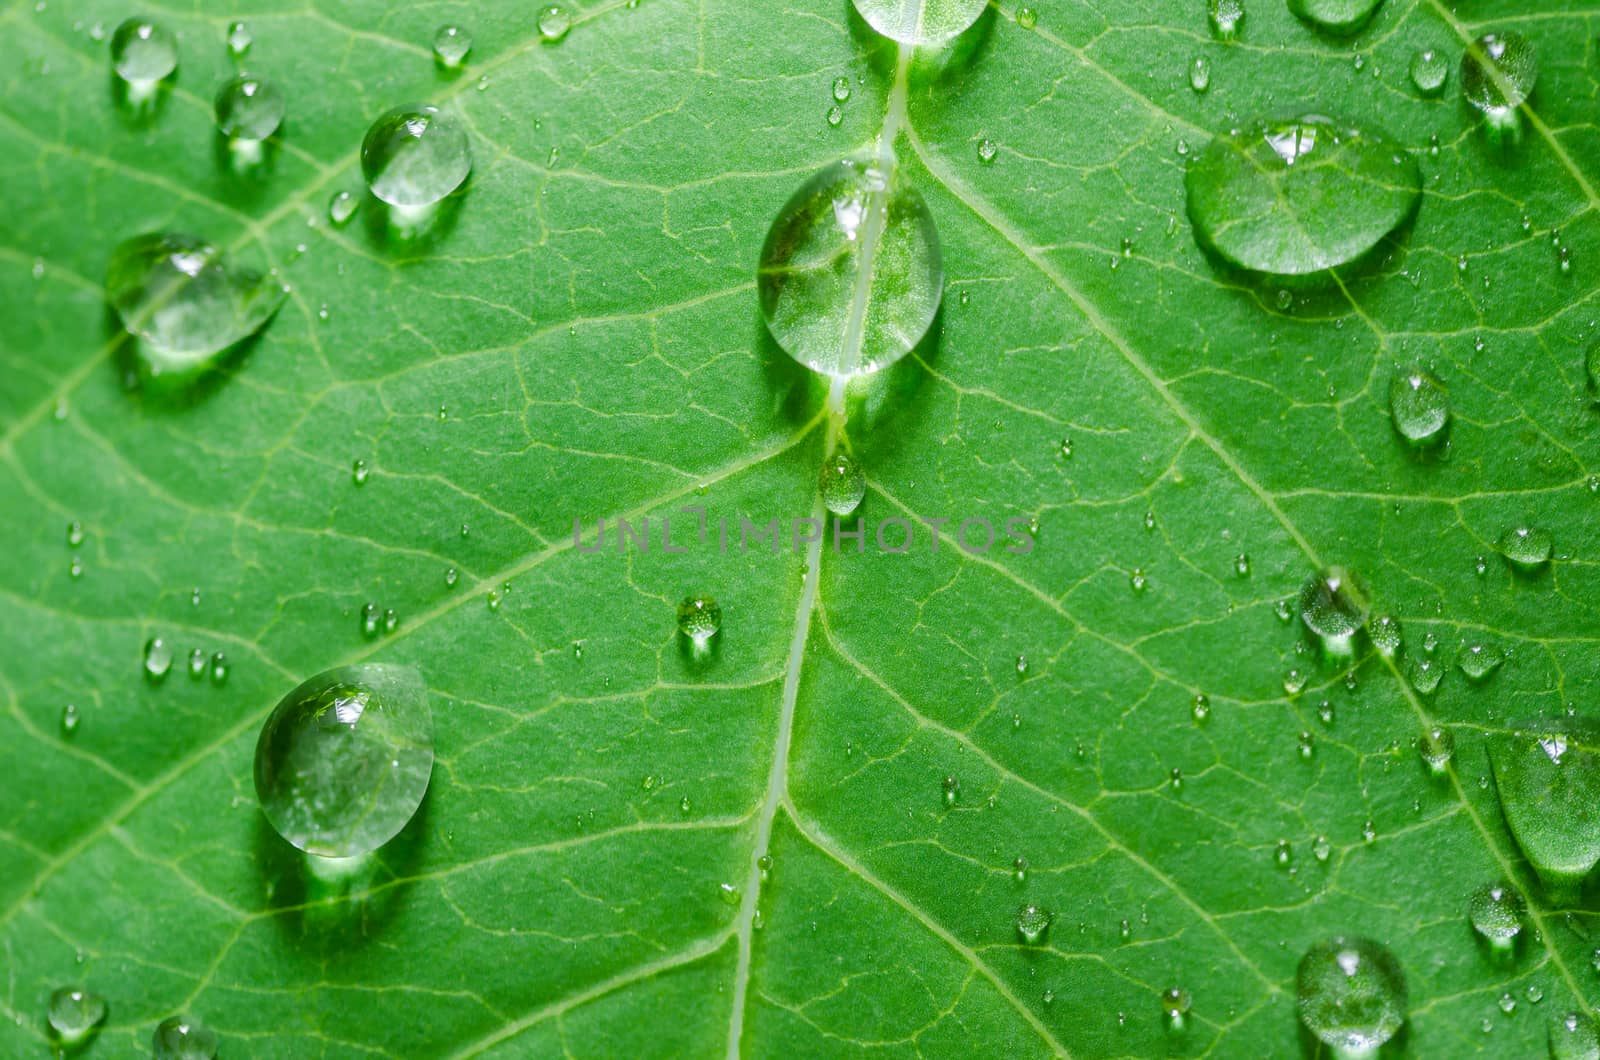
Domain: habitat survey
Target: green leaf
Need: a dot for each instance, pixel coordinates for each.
(577, 336)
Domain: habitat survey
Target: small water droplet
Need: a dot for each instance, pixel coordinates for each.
(74, 534)
(1027, 17)
(699, 618)
(1419, 406)
(1385, 633)
(1425, 676)
(987, 150)
(1437, 746)
(1200, 74)
(1175, 1006)
(841, 89)
(1480, 661)
(1527, 547)
(219, 668)
(1496, 912)
(835, 116)
(1241, 565)
(1429, 71)
(1137, 579)
(73, 1013)
(391, 620)
(248, 109)
(451, 45)
(342, 207)
(450, 577)
(1334, 605)
(239, 39)
(1226, 18)
(1321, 849)
(1294, 682)
(554, 24)
(1032, 923)
(1201, 706)
(157, 658)
(142, 53)
(843, 484)
(951, 788)
(1307, 744)
(180, 1038)
(359, 472)
(69, 720)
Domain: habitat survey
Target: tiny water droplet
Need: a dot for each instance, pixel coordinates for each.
(219, 668)
(1027, 17)
(1201, 706)
(69, 720)
(1437, 746)
(450, 577)
(342, 207)
(841, 89)
(728, 893)
(494, 599)
(1241, 565)
(1137, 579)
(451, 45)
(369, 620)
(391, 620)
(1321, 849)
(1294, 682)
(1307, 744)
(359, 472)
(1175, 1006)
(683, 804)
(157, 658)
(951, 789)
(74, 534)
(987, 150)
(835, 116)
(1385, 633)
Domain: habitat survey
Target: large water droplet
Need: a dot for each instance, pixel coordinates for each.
(1496, 910)
(73, 1013)
(1226, 18)
(1419, 405)
(1527, 547)
(554, 23)
(843, 484)
(1032, 923)
(1429, 71)
(1574, 1036)
(249, 109)
(239, 38)
(157, 658)
(415, 155)
(1548, 780)
(1294, 198)
(179, 1038)
(922, 22)
(1498, 72)
(1437, 746)
(699, 618)
(1352, 994)
(1339, 17)
(451, 45)
(184, 303)
(343, 762)
(143, 52)
(1480, 661)
(850, 275)
(1334, 605)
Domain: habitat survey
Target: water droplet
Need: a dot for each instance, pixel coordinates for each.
(179, 1038)
(1202, 706)
(1496, 911)
(157, 658)
(1527, 547)
(1548, 782)
(1022, 664)
(342, 207)
(1419, 405)
(1437, 746)
(1283, 854)
(415, 155)
(1325, 712)
(74, 534)
(841, 89)
(73, 1013)
(1027, 17)
(1321, 849)
(1307, 745)
(1429, 71)
(1296, 198)
(987, 150)
(69, 719)
(728, 893)
(391, 620)
(197, 664)
(1385, 633)
(1574, 1036)
(1294, 682)
(1032, 923)
(683, 804)
(1137, 579)
(143, 52)
(1200, 74)
(1019, 870)
(369, 620)
(1480, 661)
(239, 38)
(835, 116)
(1498, 72)
(1339, 17)
(1334, 605)
(219, 668)
(842, 484)
(1368, 831)
(450, 577)
(553, 24)
(359, 471)
(951, 789)
(1226, 18)
(1352, 994)
(850, 276)
(1241, 565)
(178, 296)
(1508, 1004)
(344, 760)
(699, 618)
(451, 45)
(1175, 1005)
(1425, 676)
(248, 109)
(494, 599)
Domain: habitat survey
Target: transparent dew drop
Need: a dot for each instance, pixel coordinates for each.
(415, 155)
(1341, 18)
(1027, 18)
(1480, 661)
(850, 276)
(219, 668)
(1574, 1036)
(950, 789)
(248, 109)
(1496, 911)
(1019, 870)
(1226, 18)
(699, 618)
(143, 52)
(157, 659)
(1032, 923)
(841, 89)
(1321, 848)
(1334, 605)
(988, 150)
(1294, 681)
(554, 23)
(1201, 707)
(343, 762)
(342, 207)
(1429, 71)
(1137, 580)
(1498, 72)
(450, 577)
(1385, 633)
(1419, 406)
(1352, 994)
(1200, 74)
(835, 116)
(73, 1013)
(239, 38)
(842, 484)
(1175, 1006)
(1508, 1004)
(180, 1038)
(1527, 548)
(451, 45)
(1425, 675)
(728, 893)
(1436, 746)
(74, 534)
(359, 472)
(70, 718)
(183, 301)
(197, 664)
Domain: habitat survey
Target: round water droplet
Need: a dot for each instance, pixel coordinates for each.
(1385, 633)
(835, 116)
(841, 89)
(450, 577)
(1321, 848)
(699, 618)
(73, 1013)
(987, 150)
(343, 762)
(178, 1038)
(1032, 923)
(843, 484)
(183, 302)
(1027, 17)
(415, 155)
(157, 658)
(342, 207)
(1352, 994)
(1574, 1036)
(451, 45)
(1527, 547)
(1339, 17)
(143, 52)
(219, 668)
(197, 664)
(239, 39)
(850, 275)
(1294, 681)
(1137, 580)
(1419, 405)
(1226, 18)
(924, 23)
(1175, 1005)
(1334, 605)
(1436, 746)
(1496, 912)
(554, 24)
(1295, 198)
(1200, 74)
(249, 109)
(1425, 676)
(1480, 661)
(1429, 71)
(1498, 72)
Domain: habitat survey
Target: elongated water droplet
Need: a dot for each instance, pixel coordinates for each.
(951, 788)
(248, 109)
(699, 618)
(1574, 1036)
(1201, 707)
(1175, 1006)
(925, 22)
(1498, 72)
(342, 207)
(1385, 633)
(451, 45)
(197, 664)
(183, 302)
(219, 668)
(1480, 661)
(180, 1038)
(1338, 17)
(1548, 781)
(850, 275)
(239, 38)
(1429, 71)
(359, 471)
(1436, 746)
(841, 89)
(1019, 870)
(1496, 911)
(157, 658)
(69, 719)
(1419, 405)
(143, 52)
(1226, 18)
(1032, 923)
(1334, 605)
(73, 1013)
(415, 155)
(1321, 848)
(1527, 547)
(74, 534)
(1200, 74)
(1296, 198)
(835, 116)
(1352, 994)
(554, 24)
(843, 484)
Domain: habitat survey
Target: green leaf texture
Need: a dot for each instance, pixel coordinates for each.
(578, 337)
